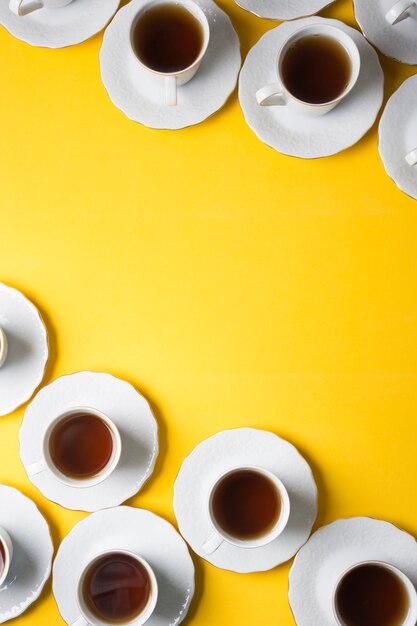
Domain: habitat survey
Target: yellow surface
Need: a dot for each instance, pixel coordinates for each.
(232, 285)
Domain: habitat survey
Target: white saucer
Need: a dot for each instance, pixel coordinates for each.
(137, 530)
(334, 548)
(398, 136)
(125, 406)
(244, 446)
(32, 553)
(282, 10)
(399, 41)
(57, 28)
(291, 133)
(131, 91)
(27, 355)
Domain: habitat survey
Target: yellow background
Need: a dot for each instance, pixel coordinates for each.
(232, 285)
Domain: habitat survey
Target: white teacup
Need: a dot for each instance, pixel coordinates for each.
(8, 553)
(87, 618)
(399, 11)
(24, 7)
(3, 346)
(172, 80)
(219, 535)
(277, 94)
(46, 463)
(411, 616)
(411, 157)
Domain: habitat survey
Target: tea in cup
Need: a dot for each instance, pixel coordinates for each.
(399, 11)
(116, 587)
(24, 7)
(372, 593)
(6, 554)
(248, 507)
(81, 448)
(3, 347)
(169, 40)
(317, 67)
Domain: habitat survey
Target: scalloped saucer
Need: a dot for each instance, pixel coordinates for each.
(32, 552)
(28, 351)
(133, 93)
(282, 10)
(398, 136)
(141, 532)
(231, 448)
(333, 549)
(297, 135)
(399, 41)
(58, 28)
(125, 406)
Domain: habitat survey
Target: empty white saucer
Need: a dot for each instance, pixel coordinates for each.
(398, 136)
(231, 448)
(131, 91)
(333, 549)
(282, 10)
(27, 354)
(292, 133)
(125, 406)
(399, 41)
(32, 553)
(141, 532)
(57, 28)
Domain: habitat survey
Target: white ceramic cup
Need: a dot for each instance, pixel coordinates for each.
(87, 618)
(411, 157)
(8, 553)
(172, 80)
(411, 617)
(218, 536)
(399, 11)
(3, 346)
(46, 463)
(277, 94)
(24, 7)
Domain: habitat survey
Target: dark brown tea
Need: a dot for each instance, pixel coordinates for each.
(372, 595)
(316, 69)
(167, 38)
(246, 504)
(81, 445)
(2, 558)
(116, 588)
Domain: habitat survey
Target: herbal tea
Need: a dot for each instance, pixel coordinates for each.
(116, 588)
(81, 445)
(167, 38)
(372, 595)
(2, 558)
(246, 504)
(316, 69)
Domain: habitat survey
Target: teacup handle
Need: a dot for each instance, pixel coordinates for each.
(171, 91)
(411, 157)
(212, 543)
(399, 11)
(271, 95)
(80, 622)
(36, 468)
(19, 8)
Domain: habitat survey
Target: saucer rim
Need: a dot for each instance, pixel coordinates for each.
(240, 3)
(45, 338)
(117, 502)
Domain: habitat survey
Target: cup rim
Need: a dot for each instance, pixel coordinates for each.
(279, 525)
(202, 18)
(3, 346)
(355, 64)
(109, 467)
(411, 616)
(6, 541)
(152, 600)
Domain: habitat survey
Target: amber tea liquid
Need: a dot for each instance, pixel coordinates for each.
(2, 558)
